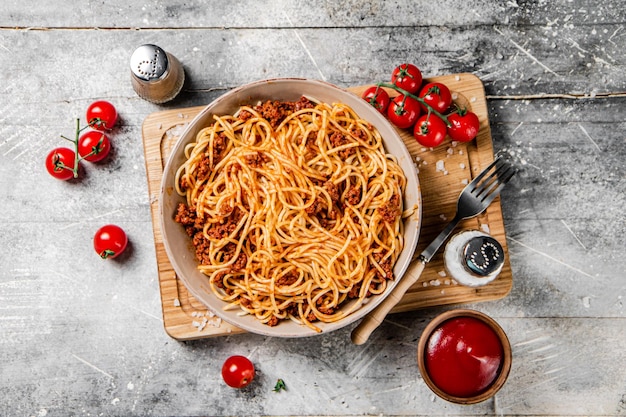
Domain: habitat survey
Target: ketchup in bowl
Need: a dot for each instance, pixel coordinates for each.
(464, 356)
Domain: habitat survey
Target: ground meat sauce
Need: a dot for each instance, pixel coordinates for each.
(275, 112)
(256, 160)
(353, 197)
(385, 265)
(391, 209)
(337, 139)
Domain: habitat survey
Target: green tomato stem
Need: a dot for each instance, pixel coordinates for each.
(76, 158)
(107, 253)
(419, 99)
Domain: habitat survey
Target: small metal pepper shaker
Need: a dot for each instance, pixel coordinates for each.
(156, 75)
(473, 258)
(483, 255)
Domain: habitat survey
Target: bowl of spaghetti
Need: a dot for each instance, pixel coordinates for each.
(290, 207)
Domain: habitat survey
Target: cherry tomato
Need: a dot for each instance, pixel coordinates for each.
(437, 96)
(377, 97)
(403, 111)
(110, 241)
(408, 77)
(95, 143)
(101, 115)
(238, 371)
(60, 163)
(464, 126)
(430, 130)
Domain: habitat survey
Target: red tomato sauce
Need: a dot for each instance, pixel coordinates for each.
(463, 356)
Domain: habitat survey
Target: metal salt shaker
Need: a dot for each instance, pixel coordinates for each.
(156, 75)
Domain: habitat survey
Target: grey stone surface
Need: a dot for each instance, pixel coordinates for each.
(79, 336)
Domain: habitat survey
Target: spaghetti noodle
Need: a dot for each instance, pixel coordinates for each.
(294, 210)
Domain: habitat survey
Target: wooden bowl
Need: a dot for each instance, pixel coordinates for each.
(460, 376)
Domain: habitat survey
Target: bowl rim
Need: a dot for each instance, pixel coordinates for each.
(505, 367)
(373, 116)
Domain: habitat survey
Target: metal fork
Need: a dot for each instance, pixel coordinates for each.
(472, 201)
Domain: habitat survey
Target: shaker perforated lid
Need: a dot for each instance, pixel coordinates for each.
(483, 255)
(149, 63)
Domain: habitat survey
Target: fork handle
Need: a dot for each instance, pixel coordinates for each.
(434, 246)
(362, 332)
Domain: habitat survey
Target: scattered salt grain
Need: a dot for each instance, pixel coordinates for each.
(160, 126)
(455, 96)
(454, 143)
(473, 99)
(462, 165)
(440, 165)
(176, 302)
(450, 151)
(442, 273)
(586, 302)
(464, 181)
(457, 77)
(447, 282)
(484, 227)
(443, 217)
(460, 151)
(425, 284)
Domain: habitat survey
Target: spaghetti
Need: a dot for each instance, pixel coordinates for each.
(294, 210)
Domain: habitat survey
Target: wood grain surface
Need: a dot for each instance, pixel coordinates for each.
(185, 318)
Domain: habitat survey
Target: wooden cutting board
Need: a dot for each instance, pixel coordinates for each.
(185, 318)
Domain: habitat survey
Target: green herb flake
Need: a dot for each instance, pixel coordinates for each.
(280, 385)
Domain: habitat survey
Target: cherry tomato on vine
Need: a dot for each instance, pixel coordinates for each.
(408, 77)
(464, 125)
(437, 96)
(101, 115)
(110, 241)
(94, 146)
(238, 371)
(429, 130)
(377, 97)
(403, 111)
(60, 163)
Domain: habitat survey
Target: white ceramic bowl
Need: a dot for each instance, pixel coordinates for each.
(178, 245)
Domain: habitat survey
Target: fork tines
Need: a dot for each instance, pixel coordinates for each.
(486, 189)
